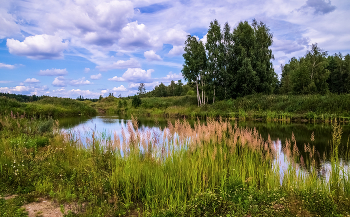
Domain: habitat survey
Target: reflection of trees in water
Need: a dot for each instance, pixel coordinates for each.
(66, 123)
(302, 134)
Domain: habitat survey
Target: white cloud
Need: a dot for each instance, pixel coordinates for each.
(149, 86)
(151, 56)
(172, 77)
(120, 64)
(3, 65)
(96, 77)
(53, 72)
(86, 70)
(135, 35)
(120, 88)
(175, 37)
(8, 24)
(22, 89)
(59, 82)
(31, 80)
(80, 81)
(135, 75)
(176, 51)
(38, 47)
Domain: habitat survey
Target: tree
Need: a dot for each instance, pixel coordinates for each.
(261, 59)
(246, 79)
(195, 64)
(136, 101)
(141, 89)
(216, 57)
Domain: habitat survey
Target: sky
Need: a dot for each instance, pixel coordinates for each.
(68, 48)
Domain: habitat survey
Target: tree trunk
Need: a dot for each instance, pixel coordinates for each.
(214, 95)
(198, 97)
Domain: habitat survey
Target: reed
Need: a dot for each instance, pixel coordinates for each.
(212, 169)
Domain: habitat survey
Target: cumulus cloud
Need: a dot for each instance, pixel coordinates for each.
(121, 88)
(86, 70)
(175, 37)
(135, 75)
(38, 47)
(176, 51)
(53, 72)
(3, 65)
(96, 77)
(31, 80)
(120, 64)
(135, 35)
(151, 55)
(80, 81)
(59, 81)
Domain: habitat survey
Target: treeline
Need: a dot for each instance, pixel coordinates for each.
(173, 89)
(81, 98)
(230, 64)
(316, 73)
(22, 98)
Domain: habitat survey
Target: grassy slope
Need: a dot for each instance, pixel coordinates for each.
(50, 106)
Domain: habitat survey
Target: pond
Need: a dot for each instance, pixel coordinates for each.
(306, 136)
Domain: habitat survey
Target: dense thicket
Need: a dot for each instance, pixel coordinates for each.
(22, 98)
(173, 89)
(231, 63)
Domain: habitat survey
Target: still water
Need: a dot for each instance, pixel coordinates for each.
(104, 127)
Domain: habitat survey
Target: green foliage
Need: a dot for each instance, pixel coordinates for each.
(316, 73)
(136, 101)
(233, 64)
(12, 207)
(174, 89)
(46, 107)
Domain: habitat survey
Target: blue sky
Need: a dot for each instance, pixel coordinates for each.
(68, 48)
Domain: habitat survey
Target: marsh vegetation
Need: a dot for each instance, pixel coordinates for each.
(213, 168)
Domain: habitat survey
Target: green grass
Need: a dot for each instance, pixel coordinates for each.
(287, 108)
(46, 107)
(213, 169)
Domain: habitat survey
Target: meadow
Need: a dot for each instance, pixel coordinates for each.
(46, 107)
(274, 108)
(212, 169)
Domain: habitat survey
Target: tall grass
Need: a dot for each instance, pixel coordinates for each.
(285, 108)
(46, 107)
(212, 169)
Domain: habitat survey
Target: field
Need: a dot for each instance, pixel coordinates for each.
(213, 169)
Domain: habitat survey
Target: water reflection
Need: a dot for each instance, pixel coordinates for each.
(310, 140)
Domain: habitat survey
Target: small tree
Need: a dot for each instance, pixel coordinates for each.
(136, 101)
(141, 89)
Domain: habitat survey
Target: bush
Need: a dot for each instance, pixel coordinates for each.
(136, 101)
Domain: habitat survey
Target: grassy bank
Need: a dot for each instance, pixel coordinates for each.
(46, 107)
(213, 169)
(288, 108)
